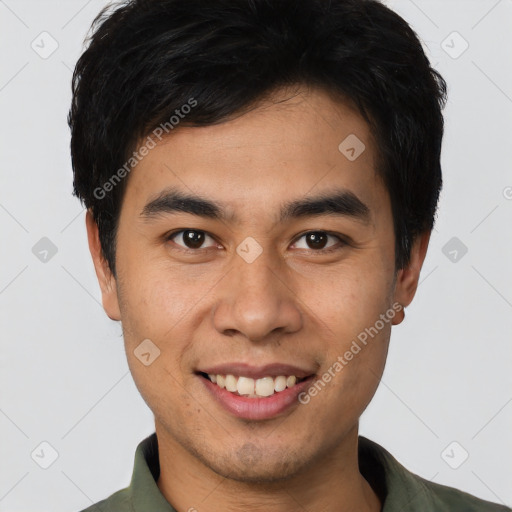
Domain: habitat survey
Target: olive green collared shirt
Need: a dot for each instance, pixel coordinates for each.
(399, 489)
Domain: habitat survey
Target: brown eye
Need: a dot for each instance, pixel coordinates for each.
(316, 240)
(319, 241)
(191, 238)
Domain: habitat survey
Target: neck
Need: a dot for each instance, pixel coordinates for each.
(332, 483)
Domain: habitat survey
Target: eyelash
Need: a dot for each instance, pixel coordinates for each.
(341, 240)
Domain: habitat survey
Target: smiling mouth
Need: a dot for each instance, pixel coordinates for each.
(253, 388)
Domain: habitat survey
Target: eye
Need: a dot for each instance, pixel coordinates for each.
(319, 241)
(191, 239)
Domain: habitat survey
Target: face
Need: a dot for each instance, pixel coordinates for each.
(257, 248)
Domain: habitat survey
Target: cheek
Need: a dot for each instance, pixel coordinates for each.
(161, 305)
(349, 307)
(155, 298)
(348, 300)
(154, 314)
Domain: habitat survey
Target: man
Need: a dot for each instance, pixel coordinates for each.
(261, 179)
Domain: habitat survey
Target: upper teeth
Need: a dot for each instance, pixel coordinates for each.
(252, 388)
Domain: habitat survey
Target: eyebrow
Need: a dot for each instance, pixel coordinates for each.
(339, 202)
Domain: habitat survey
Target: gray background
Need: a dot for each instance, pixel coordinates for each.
(64, 379)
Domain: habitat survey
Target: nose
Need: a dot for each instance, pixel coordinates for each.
(257, 302)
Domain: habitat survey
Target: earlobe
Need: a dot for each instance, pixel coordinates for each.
(399, 313)
(105, 277)
(408, 277)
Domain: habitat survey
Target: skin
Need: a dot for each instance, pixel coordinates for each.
(293, 304)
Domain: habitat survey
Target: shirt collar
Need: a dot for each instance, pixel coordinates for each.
(144, 493)
(399, 488)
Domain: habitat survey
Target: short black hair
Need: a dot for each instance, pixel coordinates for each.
(148, 59)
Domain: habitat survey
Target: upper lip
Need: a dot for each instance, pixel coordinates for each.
(257, 372)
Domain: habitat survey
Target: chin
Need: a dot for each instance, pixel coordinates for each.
(255, 464)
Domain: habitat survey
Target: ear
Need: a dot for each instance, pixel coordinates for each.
(407, 278)
(105, 277)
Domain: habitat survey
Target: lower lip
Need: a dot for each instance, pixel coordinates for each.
(257, 408)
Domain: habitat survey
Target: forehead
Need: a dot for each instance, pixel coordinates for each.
(286, 147)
